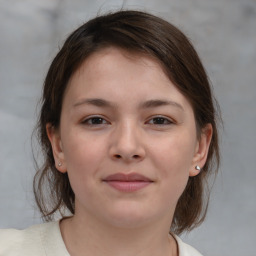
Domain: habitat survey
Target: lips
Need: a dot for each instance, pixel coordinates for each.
(127, 182)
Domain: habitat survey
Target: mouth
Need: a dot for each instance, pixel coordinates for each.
(127, 182)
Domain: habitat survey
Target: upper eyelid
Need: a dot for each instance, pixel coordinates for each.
(94, 116)
(171, 120)
(161, 116)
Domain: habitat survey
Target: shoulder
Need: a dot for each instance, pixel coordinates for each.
(36, 240)
(27, 241)
(186, 249)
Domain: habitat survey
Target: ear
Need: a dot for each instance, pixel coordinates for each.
(201, 150)
(55, 139)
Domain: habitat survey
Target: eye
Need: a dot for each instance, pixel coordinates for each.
(159, 120)
(96, 120)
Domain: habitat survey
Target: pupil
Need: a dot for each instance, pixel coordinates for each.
(158, 120)
(97, 120)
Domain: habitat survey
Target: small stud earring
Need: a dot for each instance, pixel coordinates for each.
(59, 164)
(198, 168)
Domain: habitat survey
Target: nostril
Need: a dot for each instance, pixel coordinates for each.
(134, 156)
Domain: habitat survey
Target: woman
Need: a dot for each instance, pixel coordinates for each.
(128, 131)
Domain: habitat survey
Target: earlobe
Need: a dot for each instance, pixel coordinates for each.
(195, 171)
(201, 151)
(57, 149)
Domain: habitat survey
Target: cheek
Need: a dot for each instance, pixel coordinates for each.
(83, 154)
(172, 158)
(175, 152)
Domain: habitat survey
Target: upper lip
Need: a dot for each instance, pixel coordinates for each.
(126, 177)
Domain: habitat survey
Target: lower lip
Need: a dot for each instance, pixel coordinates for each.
(128, 186)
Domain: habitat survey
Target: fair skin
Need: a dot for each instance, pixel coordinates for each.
(121, 115)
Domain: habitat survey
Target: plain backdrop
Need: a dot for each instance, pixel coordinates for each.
(223, 32)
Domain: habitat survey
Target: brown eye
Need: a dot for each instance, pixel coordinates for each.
(95, 121)
(160, 121)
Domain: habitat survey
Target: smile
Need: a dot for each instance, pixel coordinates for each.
(127, 182)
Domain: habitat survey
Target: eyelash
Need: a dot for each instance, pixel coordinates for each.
(163, 119)
(89, 121)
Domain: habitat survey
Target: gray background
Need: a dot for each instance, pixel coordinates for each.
(223, 32)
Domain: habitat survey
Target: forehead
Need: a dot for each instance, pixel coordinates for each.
(117, 57)
(112, 63)
(115, 73)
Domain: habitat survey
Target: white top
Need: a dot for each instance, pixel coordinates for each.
(46, 240)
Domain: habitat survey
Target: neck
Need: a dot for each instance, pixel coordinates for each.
(83, 237)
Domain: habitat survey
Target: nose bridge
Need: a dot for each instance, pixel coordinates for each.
(127, 134)
(127, 142)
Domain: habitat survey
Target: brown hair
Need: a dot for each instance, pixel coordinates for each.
(142, 33)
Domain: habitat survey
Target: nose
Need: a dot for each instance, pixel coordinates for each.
(126, 144)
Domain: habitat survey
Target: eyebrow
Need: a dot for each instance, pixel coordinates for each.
(159, 103)
(96, 102)
(147, 104)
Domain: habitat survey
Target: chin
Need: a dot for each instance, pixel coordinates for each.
(130, 217)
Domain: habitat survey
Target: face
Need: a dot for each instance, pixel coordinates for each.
(127, 140)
